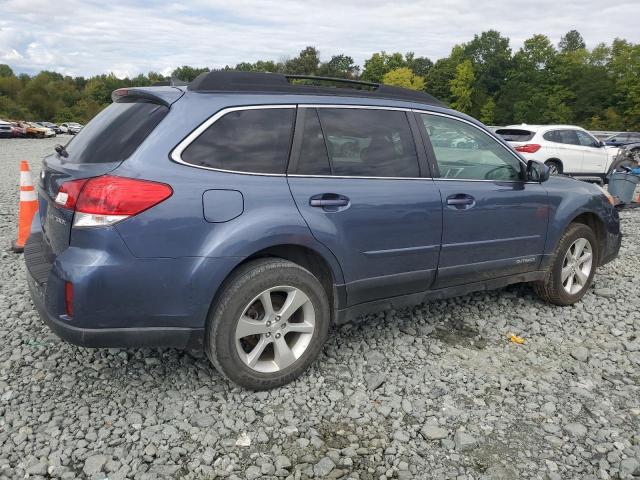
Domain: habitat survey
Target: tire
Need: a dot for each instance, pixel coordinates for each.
(279, 352)
(553, 289)
(555, 166)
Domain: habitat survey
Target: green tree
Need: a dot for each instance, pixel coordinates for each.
(443, 71)
(187, 73)
(571, 41)
(462, 86)
(339, 66)
(403, 77)
(306, 63)
(487, 112)
(5, 71)
(381, 63)
(491, 57)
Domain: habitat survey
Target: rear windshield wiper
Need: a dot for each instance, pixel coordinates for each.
(60, 150)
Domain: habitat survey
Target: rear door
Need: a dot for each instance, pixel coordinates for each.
(494, 223)
(356, 175)
(568, 149)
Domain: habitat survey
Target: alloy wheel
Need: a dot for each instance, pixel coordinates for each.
(275, 329)
(576, 267)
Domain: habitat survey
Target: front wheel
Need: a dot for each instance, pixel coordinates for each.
(572, 267)
(268, 325)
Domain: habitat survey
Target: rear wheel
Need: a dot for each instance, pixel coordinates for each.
(555, 167)
(572, 267)
(268, 324)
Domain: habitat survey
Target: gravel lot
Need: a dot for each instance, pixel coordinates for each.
(437, 391)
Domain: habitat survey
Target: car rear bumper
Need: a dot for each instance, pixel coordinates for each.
(120, 300)
(185, 338)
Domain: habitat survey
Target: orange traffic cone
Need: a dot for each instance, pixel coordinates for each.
(27, 209)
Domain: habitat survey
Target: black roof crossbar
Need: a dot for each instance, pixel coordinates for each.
(262, 82)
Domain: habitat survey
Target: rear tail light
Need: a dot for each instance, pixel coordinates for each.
(102, 201)
(68, 298)
(528, 148)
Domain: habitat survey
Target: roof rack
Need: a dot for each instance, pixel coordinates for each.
(262, 82)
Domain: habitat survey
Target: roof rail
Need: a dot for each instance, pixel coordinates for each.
(262, 82)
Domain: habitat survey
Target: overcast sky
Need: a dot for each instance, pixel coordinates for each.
(79, 37)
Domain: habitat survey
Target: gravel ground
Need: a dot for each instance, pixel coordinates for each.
(437, 391)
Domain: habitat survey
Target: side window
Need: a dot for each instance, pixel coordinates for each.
(369, 142)
(634, 137)
(313, 151)
(586, 140)
(553, 136)
(569, 137)
(255, 140)
(467, 153)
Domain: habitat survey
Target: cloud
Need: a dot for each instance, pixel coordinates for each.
(130, 37)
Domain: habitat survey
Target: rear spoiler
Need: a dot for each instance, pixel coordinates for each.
(161, 95)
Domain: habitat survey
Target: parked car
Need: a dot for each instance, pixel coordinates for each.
(632, 151)
(622, 138)
(37, 131)
(242, 224)
(5, 129)
(71, 128)
(565, 149)
(51, 126)
(17, 130)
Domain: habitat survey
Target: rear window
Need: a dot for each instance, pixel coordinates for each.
(115, 133)
(515, 134)
(255, 141)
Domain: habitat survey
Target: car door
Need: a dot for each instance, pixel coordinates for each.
(568, 149)
(594, 156)
(357, 179)
(494, 222)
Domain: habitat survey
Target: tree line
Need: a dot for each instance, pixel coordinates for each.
(597, 88)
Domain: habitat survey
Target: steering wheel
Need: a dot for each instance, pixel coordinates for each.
(490, 174)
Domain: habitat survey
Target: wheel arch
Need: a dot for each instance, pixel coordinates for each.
(556, 160)
(593, 221)
(327, 270)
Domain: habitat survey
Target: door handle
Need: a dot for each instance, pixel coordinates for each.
(329, 201)
(461, 201)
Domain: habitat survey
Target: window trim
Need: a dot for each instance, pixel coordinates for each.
(176, 153)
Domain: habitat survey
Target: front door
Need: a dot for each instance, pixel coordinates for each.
(355, 176)
(494, 223)
(594, 158)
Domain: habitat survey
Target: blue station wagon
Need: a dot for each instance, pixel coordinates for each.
(246, 213)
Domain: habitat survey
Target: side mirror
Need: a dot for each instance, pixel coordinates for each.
(601, 144)
(537, 171)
